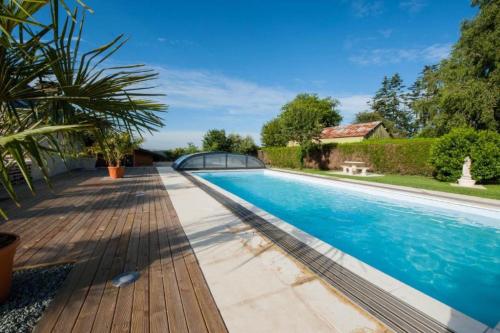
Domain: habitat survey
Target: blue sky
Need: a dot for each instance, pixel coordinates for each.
(232, 64)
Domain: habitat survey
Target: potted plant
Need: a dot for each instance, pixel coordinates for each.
(114, 148)
(8, 245)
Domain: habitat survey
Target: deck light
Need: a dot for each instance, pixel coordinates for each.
(125, 279)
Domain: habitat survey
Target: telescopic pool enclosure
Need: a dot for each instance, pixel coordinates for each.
(217, 161)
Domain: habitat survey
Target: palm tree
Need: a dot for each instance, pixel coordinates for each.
(50, 91)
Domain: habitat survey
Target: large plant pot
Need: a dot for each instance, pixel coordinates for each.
(8, 245)
(116, 172)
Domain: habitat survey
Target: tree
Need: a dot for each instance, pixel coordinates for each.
(272, 134)
(242, 145)
(462, 91)
(216, 140)
(367, 117)
(191, 148)
(390, 102)
(421, 99)
(304, 118)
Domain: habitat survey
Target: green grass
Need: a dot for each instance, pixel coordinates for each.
(427, 183)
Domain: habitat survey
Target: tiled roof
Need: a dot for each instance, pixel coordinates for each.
(347, 131)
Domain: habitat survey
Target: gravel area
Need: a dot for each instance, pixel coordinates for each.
(32, 291)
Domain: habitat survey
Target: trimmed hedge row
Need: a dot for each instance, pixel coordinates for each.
(399, 156)
(282, 157)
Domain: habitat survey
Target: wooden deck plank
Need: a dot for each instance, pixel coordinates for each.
(106, 309)
(124, 303)
(80, 275)
(43, 198)
(175, 311)
(73, 305)
(52, 240)
(158, 319)
(106, 229)
(90, 306)
(140, 307)
(50, 220)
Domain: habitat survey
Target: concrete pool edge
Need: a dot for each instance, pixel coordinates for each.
(439, 312)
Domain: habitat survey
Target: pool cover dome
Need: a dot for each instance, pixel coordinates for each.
(217, 160)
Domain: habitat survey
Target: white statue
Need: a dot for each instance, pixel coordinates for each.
(466, 179)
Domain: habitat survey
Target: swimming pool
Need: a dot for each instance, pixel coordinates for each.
(447, 251)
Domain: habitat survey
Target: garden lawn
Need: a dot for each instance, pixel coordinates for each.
(427, 183)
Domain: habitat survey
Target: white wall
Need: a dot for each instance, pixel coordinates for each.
(55, 166)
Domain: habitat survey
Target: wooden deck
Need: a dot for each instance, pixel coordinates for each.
(107, 227)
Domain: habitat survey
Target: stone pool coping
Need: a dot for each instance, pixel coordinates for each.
(440, 312)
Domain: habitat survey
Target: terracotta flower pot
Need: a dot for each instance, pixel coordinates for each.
(8, 245)
(116, 172)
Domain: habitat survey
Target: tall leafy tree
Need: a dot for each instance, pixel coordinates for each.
(304, 118)
(242, 145)
(216, 140)
(422, 100)
(272, 134)
(463, 90)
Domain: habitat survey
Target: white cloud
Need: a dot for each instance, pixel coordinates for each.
(350, 105)
(364, 8)
(234, 103)
(205, 90)
(176, 42)
(433, 53)
(412, 6)
(437, 52)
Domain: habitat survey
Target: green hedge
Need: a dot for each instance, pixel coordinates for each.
(399, 156)
(283, 157)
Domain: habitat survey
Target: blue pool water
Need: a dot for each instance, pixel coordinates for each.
(451, 256)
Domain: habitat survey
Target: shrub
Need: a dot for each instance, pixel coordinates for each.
(449, 152)
(485, 155)
(283, 157)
